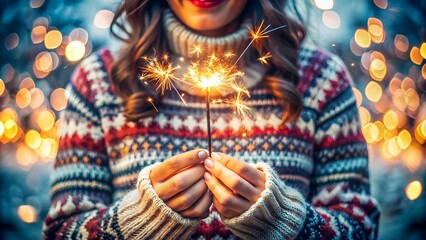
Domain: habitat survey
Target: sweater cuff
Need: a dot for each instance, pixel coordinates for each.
(144, 215)
(278, 214)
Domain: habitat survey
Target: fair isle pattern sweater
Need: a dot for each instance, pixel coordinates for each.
(317, 167)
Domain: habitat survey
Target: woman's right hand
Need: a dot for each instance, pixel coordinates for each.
(179, 182)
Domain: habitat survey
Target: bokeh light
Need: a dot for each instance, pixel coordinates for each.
(45, 120)
(414, 190)
(75, 51)
(103, 19)
(373, 91)
(362, 38)
(53, 39)
(390, 119)
(27, 213)
(58, 99)
(331, 19)
(33, 139)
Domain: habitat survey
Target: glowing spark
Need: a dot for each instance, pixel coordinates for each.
(259, 32)
(150, 100)
(196, 50)
(238, 105)
(162, 73)
(264, 58)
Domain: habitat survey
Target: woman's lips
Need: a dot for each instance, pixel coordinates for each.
(205, 3)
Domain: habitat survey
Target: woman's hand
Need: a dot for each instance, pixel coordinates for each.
(179, 182)
(235, 184)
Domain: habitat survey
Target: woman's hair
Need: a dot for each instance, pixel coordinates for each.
(138, 24)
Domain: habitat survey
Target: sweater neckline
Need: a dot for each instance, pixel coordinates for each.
(182, 40)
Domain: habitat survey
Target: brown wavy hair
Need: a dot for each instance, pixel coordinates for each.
(138, 24)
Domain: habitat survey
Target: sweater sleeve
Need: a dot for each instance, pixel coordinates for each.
(340, 206)
(81, 183)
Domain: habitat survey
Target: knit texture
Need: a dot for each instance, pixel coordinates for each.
(317, 166)
(278, 214)
(146, 216)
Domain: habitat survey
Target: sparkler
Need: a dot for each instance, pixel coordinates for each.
(214, 72)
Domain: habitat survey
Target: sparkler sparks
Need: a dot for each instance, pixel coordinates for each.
(206, 72)
(264, 58)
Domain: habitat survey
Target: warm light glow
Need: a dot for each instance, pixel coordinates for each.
(324, 4)
(331, 19)
(413, 190)
(412, 157)
(59, 99)
(1, 129)
(381, 127)
(53, 39)
(33, 139)
(383, 4)
(27, 213)
(2, 86)
(385, 150)
(23, 98)
(10, 129)
(36, 3)
(378, 69)
(390, 119)
(364, 115)
(370, 132)
(404, 139)
(398, 99)
(75, 51)
(373, 91)
(27, 83)
(423, 50)
(393, 147)
(25, 156)
(412, 99)
(415, 56)
(37, 98)
(375, 28)
(103, 19)
(38, 33)
(362, 38)
(408, 83)
(43, 64)
(401, 43)
(358, 96)
(44, 149)
(45, 120)
(79, 34)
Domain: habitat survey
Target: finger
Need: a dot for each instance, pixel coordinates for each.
(179, 182)
(174, 164)
(224, 196)
(223, 211)
(187, 198)
(201, 208)
(234, 182)
(245, 170)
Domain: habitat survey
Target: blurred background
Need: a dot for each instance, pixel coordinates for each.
(382, 42)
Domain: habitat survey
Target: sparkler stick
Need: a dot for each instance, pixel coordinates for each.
(209, 135)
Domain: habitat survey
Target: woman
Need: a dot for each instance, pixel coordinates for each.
(297, 169)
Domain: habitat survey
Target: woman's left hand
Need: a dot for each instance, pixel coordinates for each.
(235, 185)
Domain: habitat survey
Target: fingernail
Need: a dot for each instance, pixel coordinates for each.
(202, 154)
(208, 163)
(207, 176)
(215, 156)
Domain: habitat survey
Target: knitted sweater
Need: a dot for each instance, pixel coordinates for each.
(316, 167)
